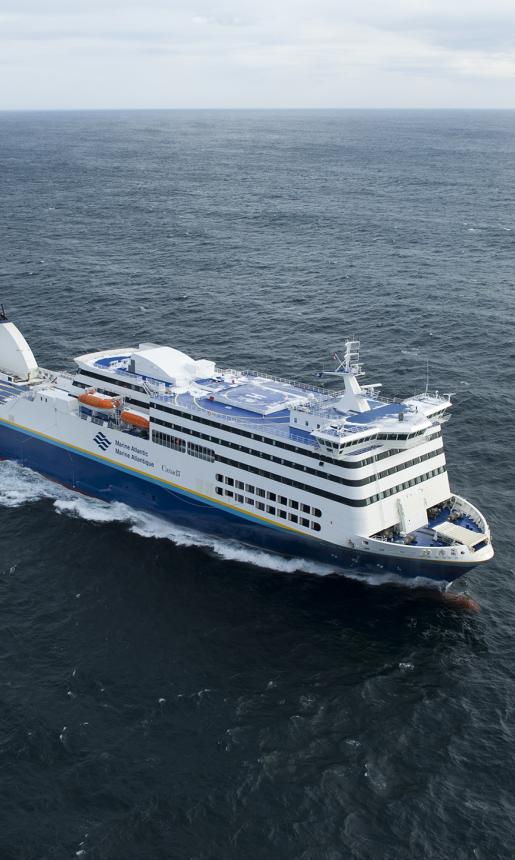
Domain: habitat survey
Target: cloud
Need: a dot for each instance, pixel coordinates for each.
(236, 53)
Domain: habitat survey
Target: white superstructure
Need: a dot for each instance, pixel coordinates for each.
(346, 471)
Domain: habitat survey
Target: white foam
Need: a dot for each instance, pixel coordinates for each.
(94, 510)
(391, 578)
(19, 485)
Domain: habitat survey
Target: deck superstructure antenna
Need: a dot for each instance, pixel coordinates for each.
(350, 361)
(3, 315)
(404, 514)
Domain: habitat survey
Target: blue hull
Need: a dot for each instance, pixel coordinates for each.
(90, 475)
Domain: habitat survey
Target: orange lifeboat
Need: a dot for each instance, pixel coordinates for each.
(101, 402)
(135, 419)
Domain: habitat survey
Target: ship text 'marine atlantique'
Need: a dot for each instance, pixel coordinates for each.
(343, 478)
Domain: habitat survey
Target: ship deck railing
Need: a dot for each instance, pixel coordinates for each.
(304, 386)
(157, 385)
(455, 510)
(263, 424)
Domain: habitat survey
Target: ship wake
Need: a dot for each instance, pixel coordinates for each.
(20, 486)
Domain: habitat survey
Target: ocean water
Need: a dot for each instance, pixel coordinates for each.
(164, 695)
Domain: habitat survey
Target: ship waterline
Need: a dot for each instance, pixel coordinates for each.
(342, 477)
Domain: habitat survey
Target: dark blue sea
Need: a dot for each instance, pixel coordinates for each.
(164, 696)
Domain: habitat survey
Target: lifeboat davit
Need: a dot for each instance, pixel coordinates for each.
(99, 402)
(135, 419)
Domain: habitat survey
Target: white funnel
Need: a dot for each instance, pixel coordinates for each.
(16, 358)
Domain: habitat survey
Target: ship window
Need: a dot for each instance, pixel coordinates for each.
(283, 514)
(249, 488)
(304, 522)
(303, 451)
(207, 453)
(260, 506)
(283, 500)
(219, 477)
(249, 501)
(305, 509)
(239, 498)
(299, 466)
(230, 481)
(270, 509)
(240, 485)
(315, 526)
(293, 518)
(219, 491)
(316, 512)
(169, 441)
(229, 493)
(201, 452)
(260, 492)
(271, 496)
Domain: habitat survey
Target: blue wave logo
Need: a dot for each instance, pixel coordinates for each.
(102, 441)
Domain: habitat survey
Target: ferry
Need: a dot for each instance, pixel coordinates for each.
(344, 477)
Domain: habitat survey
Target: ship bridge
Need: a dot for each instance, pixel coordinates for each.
(338, 423)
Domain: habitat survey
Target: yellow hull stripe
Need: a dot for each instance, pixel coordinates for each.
(150, 477)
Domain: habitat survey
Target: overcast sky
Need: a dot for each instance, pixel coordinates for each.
(264, 53)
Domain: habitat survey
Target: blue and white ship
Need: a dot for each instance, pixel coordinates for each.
(346, 477)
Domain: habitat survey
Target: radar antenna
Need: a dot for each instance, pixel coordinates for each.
(349, 364)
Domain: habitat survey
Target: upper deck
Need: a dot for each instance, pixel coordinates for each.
(311, 416)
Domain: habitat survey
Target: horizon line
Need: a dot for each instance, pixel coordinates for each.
(263, 109)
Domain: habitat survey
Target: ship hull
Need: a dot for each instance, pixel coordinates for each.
(87, 474)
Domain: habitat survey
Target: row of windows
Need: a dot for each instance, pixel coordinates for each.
(177, 444)
(269, 495)
(112, 381)
(172, 442)
(390, 437)
(382, 455)
(318, 491)
(257, 436)
(209, 455)
(327, 475)
(201, 452)
(268, 508)
(241, 432)
(418, 480)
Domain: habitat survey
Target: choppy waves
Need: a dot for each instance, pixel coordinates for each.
(20, 486)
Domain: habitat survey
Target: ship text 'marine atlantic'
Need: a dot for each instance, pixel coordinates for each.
(344, 478)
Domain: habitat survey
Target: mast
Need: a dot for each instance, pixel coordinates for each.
(353, 398)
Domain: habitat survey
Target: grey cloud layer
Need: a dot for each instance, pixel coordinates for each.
(240, 53)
